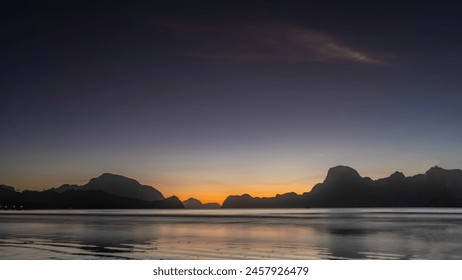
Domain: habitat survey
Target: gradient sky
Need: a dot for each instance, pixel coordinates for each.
(210, 98)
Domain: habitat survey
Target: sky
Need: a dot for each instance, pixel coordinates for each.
(210, 98)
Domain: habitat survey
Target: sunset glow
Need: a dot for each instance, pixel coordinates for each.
(206, 100)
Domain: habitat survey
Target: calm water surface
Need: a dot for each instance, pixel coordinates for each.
(232, 234)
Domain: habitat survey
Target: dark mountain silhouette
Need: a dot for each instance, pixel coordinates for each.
(67, 187)
(287, 200)
(172, 202)
(73, 199)
(192, 203)
(6, 188)
(7, 197)
(344, 187)
(211, 205)
(117, 185)
(106, 191)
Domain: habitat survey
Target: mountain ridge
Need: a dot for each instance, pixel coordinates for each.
(103, 192)
(117, 185)
(342, 187)
(345, 187)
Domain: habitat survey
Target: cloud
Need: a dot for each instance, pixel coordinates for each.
(267, 41)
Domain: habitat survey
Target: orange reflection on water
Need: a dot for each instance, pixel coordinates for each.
(237, 240)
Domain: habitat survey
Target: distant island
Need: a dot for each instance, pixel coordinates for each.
(108, 191)
(342, 187)
(192, 203)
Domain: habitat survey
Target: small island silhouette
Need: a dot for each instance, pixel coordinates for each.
(192, 203)
(342, 187)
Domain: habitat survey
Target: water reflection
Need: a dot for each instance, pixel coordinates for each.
(233, 234)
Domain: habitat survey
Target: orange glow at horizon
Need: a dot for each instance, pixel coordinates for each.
(206, 186)
(204, 190)
(207, 194)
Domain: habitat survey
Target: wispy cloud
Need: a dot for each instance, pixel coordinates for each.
(268, 41)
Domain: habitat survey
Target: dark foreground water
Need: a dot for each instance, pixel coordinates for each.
(232, 234)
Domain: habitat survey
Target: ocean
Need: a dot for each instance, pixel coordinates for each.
(352, 233)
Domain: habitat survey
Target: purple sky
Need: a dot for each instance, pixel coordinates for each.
(209, 98)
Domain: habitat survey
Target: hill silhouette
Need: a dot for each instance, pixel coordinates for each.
(192, 203)
(104, 192)
(73, 199)
(6, 188)
(287, 200)
(344, 187)
(117, 185)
